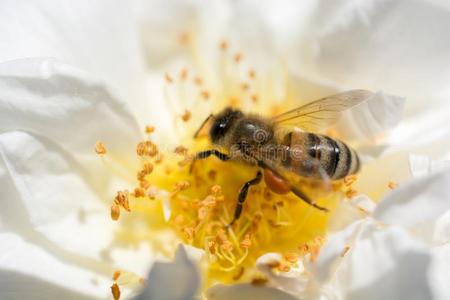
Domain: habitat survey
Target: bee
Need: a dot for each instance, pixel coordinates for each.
(284, 145)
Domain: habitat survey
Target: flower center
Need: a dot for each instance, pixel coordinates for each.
(200, 203)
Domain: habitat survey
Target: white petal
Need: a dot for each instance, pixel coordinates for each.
(246, 291)
(161, 26)
(371, 118)
(28, 271)
(98, 37)
(53, 184)
(164, 25)
(178, 280)
(64, 104)
(417, 204)
(397, 46)
(381, 263)
(439, 272)
(421, 165)
(348, 212)
(441, 234)
(292, 282)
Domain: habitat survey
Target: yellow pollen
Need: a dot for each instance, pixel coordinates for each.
(184, 74)
(392, 185)
(180, 186)
(168, 78)
(115, 290)
(100, 148)
(186, 115)
(146, 148)
(245, 86)
(345, 251)
(115, 211)
(350, 179)
(184, 38)
(181, 150)
(238, 57)
(205, 94)
(284, 267)
(149, 129)
(291, 257)
(259, 281)
(148, 168)
(246, 242)
(116, 275)
(189, 232)
(251, 74)
(351, 193)
(223, 45)
(139, 192)
(234, 102)
(198, 80)
(122, 200)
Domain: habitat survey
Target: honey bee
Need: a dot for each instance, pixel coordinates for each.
(284, 145)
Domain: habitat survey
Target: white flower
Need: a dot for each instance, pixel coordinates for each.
(72, 73)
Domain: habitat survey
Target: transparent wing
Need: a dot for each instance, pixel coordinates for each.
(321, 113)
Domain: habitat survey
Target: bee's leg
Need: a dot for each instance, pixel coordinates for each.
(243, 195)
(299, 193)
(305, 198)
(206, 154)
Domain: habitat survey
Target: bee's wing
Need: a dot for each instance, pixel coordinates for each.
(321, 113)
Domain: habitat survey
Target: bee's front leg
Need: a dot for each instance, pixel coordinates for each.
(206, 154)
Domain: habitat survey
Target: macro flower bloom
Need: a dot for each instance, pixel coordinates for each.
(75, 77)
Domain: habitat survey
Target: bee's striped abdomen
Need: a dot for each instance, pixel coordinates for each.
(333, 156)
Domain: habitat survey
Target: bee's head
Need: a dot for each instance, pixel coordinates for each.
(222, 123)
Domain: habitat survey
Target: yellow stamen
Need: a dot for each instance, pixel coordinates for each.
(100, 148)
(184, 74)
(184, 38)
(238, 57)
(205, 94)
(115, 290)
(149, 129)
(115, 211)
(186, 115)
(122, 199)
(202, 202)
(392, 185)
(116, 275)
(345, 251)
(224, 45)
(168, 78)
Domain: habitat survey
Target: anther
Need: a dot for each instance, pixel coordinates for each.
(186, 115)
(100, 148)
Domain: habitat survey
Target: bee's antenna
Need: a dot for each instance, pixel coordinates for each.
(203, 125)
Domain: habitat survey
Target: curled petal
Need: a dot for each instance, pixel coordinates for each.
(178, 280)
(371, 262)
(51, 115)
(417, 204)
